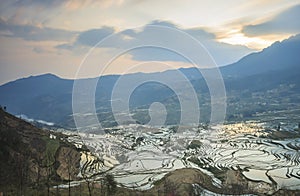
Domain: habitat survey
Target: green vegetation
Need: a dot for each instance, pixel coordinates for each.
(52, 146)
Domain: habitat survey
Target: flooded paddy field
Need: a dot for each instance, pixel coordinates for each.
(138, 156)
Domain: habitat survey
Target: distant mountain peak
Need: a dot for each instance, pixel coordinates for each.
(46, 75)
(278, 56)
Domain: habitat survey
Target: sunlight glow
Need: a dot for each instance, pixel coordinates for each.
(251, 42)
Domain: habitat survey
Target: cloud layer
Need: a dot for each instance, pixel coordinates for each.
(221, 52)
(34, 33)
(287, 22)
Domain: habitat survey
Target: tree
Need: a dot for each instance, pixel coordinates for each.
(69, 167)
(66, 152)
(49, 170)
(88, 178)
(89, 181)
(102, 185)
(22, 171)
(111, 184)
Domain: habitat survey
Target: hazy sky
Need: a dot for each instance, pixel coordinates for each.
(54, 36)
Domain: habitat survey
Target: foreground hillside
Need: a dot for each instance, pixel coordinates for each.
(31, 157)
(41, 162)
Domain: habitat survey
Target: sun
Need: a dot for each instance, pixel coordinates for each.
(256, 43)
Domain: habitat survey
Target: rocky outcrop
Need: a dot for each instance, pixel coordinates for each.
(68, 159)
(190, 181)
(235, 180)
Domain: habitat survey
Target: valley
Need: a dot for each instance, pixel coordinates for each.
(249, 157)
(139, 156)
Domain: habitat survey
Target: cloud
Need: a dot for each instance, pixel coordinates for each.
(65, 46)
(223, 53)
(35, 33)
(44, 3)
(163, 23)
(285, 22)
(77, 4)
(38, 50)
(68, 4)
(88, 39)
(93, 36)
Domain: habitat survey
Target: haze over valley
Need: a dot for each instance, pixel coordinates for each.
(138, 98)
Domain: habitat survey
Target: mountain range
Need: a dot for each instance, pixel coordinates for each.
(49, 98)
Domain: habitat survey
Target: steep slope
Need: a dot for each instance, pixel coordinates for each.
(30, 156)
(279, 56)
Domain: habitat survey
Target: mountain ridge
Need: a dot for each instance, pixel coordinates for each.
(273, 56)
(48, 97)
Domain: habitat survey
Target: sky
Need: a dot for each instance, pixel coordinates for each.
(67, 37)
